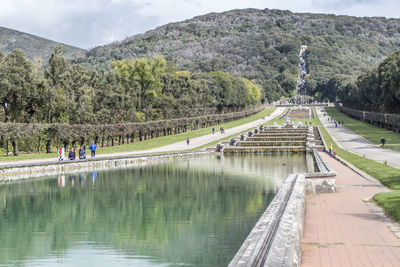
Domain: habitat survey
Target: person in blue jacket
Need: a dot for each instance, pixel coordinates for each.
(93, 148)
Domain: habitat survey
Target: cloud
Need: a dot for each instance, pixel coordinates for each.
(344, 3)
(88, 23)
(84, 23)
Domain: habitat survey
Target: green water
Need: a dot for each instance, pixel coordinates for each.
(195, 211)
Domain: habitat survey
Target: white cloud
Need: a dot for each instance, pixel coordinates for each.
(87, 23)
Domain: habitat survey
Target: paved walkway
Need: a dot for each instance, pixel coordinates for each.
(357, 144)
(340, 229)
(195, 142)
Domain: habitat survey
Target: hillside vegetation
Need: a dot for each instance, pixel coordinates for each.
(377, 90)
(34, 47)
(137, 90)
(263, 46)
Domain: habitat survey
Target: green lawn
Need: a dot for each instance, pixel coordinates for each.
(314, 122)
(151, 143)
(366, 130)
(390, 202)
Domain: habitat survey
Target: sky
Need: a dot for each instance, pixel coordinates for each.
(89, 23)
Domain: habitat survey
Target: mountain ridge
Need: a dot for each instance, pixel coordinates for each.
(263, 45)
(34, 46)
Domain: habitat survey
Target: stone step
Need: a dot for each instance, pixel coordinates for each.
(280, 134)
(271, 143)
(275, 138)
(264, 149)
(284, 130)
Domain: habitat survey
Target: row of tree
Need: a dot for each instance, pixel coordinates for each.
(137, 90)
(35, 137)
(384, 120)
(377, 90)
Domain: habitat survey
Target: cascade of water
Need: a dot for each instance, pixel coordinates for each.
(301, 91)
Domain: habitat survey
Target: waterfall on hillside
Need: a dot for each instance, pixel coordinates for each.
(301, 91)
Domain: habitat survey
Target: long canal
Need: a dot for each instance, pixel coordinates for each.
(195, 211)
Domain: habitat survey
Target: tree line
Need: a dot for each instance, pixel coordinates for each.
(377, 90)
(66, 103)
(137, 90)
(35, 137)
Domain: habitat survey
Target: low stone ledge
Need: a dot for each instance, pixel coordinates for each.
(275, 239)
(322, 165)
(323, 181)
(320, 184)
(285, 249)
(64, 167)
(264, 149)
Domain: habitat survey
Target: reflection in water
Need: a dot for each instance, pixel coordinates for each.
(194, 212)
(61, 181)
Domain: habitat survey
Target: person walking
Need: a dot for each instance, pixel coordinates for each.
(93, 148)
(187, 140)
(330, 150)
(213, 130)
(61, 152)
(383, 141)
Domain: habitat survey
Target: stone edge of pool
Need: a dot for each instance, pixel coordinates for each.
(276, 238)
(9, 174)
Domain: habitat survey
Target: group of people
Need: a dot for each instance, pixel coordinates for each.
(337, 123)
(81, 153)
(221, 130)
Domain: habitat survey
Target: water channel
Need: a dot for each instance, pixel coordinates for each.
(194, 211)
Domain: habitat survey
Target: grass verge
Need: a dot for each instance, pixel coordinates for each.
(390, 202)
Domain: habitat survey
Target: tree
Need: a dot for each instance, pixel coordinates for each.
(141, 75)
(253, 92)
(17, 87)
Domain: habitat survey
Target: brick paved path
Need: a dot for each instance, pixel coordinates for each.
(341, 229)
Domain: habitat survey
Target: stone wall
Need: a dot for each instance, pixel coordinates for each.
(65, 167)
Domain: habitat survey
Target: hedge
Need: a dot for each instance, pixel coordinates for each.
(67, 134)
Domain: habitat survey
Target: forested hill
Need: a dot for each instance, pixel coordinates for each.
(263, 45)
(34, 46)
(377, 90)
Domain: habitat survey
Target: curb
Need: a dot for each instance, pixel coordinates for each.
(359, 172)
